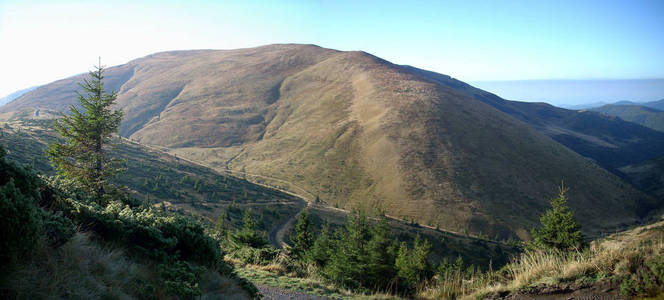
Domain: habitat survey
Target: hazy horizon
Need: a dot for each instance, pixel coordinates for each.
(570, 92)
(470, 40)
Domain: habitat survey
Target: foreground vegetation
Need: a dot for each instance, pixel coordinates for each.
(160, 179)
(629, 264)
(58, 241)
(167, 255)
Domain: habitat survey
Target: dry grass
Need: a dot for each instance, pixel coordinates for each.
(614, 256)
(79, 269)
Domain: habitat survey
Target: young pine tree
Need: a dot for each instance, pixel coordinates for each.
(249, 235)
(321, 249)
(559, 230)
(347, 265)
(413, 264)
(381, 253)
(87, 134)
(303, 238)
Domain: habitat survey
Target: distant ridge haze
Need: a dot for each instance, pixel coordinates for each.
(568, 93)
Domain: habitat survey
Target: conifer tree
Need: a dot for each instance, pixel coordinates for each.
(381, 253)
(303, 239)
(348, 262)
(87, 133)
(412, 264)
(559, 228)
(249, 235)
(320, 251)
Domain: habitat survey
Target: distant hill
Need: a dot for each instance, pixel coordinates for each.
(583, 105)
(610, 141)
(357, 131)
(640, 114)
(11, 97)
(570, 91)
(659, 105)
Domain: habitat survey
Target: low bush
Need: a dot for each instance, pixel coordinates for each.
(647, 279)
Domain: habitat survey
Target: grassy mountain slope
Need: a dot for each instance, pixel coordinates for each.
(25, 142)
(648, 176)
(355, 130)
(163, 179)
(638, 114)
(609, 141)
(11, 97)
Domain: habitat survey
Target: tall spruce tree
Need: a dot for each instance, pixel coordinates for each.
(559, 228)
(86, 135)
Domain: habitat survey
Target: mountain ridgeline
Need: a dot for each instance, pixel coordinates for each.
(360, 132)
(640, 114)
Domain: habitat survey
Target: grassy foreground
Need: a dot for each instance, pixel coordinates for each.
(629, 264)
(275, 276)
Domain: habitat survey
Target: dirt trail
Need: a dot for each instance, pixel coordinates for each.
(278, 234)
(273, 293)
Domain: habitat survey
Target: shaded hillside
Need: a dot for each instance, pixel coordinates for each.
(642, 115)
(609, 141)
(161, 178)
(648, 176)
(659, 105)
(356, 130)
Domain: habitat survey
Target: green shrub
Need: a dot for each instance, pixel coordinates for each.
(321, 250)
(412, 264)
(181, 278)
(153, 232)
(256, 256)
(303, 238)
(647, 280)
(20, 216)
(20, 225)
(58, 228)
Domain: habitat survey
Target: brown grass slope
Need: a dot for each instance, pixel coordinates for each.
(609, 141)
(356, 131)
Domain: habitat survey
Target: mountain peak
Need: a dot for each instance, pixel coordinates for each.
(356, 130)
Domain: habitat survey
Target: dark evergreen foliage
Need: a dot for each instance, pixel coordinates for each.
(364, 256)
(303, 238)
(559, 229)
(249, 235)
(22, 221)
(320, 251)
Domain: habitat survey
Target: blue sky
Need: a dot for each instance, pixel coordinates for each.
(42, 41)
